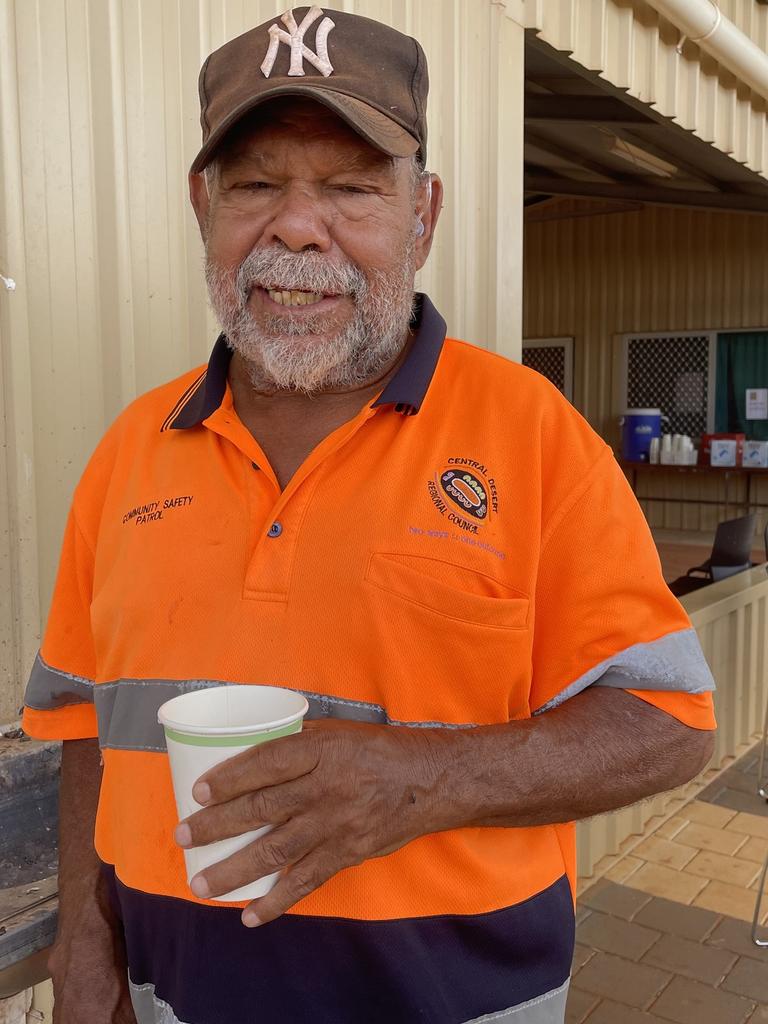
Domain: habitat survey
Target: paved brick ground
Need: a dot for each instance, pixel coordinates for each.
(736, 788)
(642, 959)
(664, 938)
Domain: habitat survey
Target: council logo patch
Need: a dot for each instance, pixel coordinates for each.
(467, 491)
(464, 493)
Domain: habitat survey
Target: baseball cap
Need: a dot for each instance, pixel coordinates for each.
(372, 76)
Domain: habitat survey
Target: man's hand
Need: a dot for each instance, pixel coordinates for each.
(86, 992)
(338, 793)
(87, 963)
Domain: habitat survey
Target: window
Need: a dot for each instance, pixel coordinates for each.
(674, 372)
(742, 365)
(553, 358)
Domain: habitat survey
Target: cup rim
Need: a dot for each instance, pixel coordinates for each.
(165, 720)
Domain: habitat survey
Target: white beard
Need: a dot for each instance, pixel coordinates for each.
(285, 353)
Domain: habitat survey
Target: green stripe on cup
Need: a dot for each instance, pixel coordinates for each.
(249, 740)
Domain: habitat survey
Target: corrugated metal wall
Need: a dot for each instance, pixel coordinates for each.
(627, 42)
(656, 269)
(98, 101)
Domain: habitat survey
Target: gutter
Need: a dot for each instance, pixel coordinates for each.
(704, 23)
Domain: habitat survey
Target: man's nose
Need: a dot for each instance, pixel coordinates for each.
(300, 222)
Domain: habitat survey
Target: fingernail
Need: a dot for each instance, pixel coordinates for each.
(201, 791)
(183, 834)
(251, 919)
(200, 887)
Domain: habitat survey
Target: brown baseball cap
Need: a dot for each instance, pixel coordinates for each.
(372, 76)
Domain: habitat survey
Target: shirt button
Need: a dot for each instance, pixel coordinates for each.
(275, 530)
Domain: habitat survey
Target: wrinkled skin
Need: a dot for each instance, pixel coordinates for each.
(338, 794)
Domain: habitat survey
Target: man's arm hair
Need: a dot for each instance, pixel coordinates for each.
(599, 751)
(88, 963)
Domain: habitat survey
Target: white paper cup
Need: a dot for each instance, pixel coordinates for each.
(209, 726)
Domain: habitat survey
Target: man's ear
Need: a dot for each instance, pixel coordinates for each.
(428, 207)
(200, 199)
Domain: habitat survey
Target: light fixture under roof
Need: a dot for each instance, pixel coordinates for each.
(641, 159)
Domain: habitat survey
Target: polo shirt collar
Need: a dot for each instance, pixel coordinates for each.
(409, 386)
(406, 391)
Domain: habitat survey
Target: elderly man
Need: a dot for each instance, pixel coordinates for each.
(423, 538)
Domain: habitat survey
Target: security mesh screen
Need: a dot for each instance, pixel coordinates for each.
(671, 374)
(548, 361)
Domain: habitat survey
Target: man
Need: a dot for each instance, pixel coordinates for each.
(422, 537)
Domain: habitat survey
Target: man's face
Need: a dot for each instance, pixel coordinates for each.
(311, 250)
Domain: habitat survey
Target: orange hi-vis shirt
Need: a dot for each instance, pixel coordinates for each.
(464, 552)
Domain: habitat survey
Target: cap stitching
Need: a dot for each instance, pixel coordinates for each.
(413, 91)
(204, 94)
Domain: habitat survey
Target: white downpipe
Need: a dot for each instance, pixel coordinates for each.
(703, 23)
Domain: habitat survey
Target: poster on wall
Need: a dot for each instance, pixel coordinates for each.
(757, 403)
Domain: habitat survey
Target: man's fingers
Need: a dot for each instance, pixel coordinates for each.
(299, 881)
(274, 851)
(271, 806)
(267, 764)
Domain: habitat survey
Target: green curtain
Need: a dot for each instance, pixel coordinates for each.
(742, 362)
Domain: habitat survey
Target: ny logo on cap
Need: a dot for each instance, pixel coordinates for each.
(300, 52)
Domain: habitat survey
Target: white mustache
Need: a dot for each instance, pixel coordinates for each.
(277, 268)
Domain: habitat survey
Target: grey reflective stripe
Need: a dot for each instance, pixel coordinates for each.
(127, 711)
(49, 688)
(322, 705)
(546, 1009)
(675, 662)
(148, 1009)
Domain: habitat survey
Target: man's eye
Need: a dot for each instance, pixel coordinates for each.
(255, 186)
(353, 189)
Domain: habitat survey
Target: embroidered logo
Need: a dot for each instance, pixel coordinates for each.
(295, 41)
(464, 493)
(152, 511)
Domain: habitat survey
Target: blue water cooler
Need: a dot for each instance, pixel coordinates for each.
(639, 426)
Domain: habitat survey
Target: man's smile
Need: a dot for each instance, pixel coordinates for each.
(296, 299)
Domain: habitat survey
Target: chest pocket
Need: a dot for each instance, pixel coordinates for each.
(451, 591)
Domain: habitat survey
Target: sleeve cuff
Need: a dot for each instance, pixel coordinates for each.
(692, 709)
(72, 722)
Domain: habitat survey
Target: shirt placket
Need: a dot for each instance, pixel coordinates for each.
(275, 516)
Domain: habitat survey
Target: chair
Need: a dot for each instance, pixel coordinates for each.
(762, 782)
(758, 904)
(731, 551)
(765, 542)
(722, 572)
(762, 789)
(731, 548)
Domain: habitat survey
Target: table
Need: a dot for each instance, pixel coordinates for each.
(726, 473)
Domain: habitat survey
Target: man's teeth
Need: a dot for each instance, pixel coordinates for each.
(294, 298)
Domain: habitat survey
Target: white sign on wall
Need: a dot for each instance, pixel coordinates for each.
(757, 403)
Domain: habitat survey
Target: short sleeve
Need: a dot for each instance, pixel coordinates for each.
(59, 696)
(603, 612)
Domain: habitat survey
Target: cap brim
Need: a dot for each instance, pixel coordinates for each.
(375, 127)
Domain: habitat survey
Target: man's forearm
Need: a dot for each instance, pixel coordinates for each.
(598, 751)
(88, 962)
